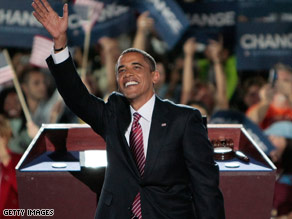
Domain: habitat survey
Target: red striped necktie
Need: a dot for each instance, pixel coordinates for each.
(137, 147)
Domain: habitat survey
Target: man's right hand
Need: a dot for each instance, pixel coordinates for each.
(55, 25)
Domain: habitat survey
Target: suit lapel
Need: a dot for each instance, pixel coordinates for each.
(157, 133)
(124, 119)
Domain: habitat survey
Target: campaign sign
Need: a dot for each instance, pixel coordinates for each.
(235, 117)
(114, 20)
(208, 20)
(262, 45)
(265, 11)
(18, 26)
(170, 20)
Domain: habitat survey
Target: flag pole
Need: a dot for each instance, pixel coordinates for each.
(93, 15)
(85, 52)
(18, 88)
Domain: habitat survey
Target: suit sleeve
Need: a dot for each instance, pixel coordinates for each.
(204, 172)
(86, 106)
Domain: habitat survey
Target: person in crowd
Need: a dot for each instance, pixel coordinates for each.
(169, 86)
(19, 61)
(100, 80)
(145, 26)
(89, 78)
(173, 81)
(8, 161)
(100, 75)
(275, 100)
(248, 93)
(147, 37)
(43, 109)
(22, 132)
(35, 89)
(109, 54)
(213, 97)
(280, 134)
(218, 56)
(160, 161)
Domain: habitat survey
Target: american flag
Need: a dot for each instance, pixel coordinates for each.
(89, 11)
(6, 71)
(41, 49)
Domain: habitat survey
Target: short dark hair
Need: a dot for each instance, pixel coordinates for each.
(3, 95)
(148, 58)
(25, 74)
(253, 81)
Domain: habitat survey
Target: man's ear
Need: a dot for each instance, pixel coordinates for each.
(155, 77)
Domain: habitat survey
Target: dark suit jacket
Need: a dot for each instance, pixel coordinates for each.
(180, 176)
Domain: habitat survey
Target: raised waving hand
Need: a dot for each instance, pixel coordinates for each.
(54, 24)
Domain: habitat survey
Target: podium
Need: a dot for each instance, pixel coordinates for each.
(71, 191)
(248, 190)
(51, 173)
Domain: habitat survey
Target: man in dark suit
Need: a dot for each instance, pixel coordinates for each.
(163, 170)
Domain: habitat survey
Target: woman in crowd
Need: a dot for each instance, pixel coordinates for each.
(8, 161)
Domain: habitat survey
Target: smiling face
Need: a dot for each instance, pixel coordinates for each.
(135, 78)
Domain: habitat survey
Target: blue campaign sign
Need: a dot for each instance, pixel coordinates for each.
(114, 20)
(207, 20)
(262, 45)
(18, 26)
(265, 11)
(235, 117)
(170, 20)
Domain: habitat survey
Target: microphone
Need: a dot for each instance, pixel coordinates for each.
(240, 155)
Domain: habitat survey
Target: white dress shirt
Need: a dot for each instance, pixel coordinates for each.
(60, 56)
(146, 112)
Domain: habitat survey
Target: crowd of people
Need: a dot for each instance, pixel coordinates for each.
(206, 80)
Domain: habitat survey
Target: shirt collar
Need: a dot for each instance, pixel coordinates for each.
(146, 110)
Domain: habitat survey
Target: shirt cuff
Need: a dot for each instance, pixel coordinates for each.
(60, 56)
